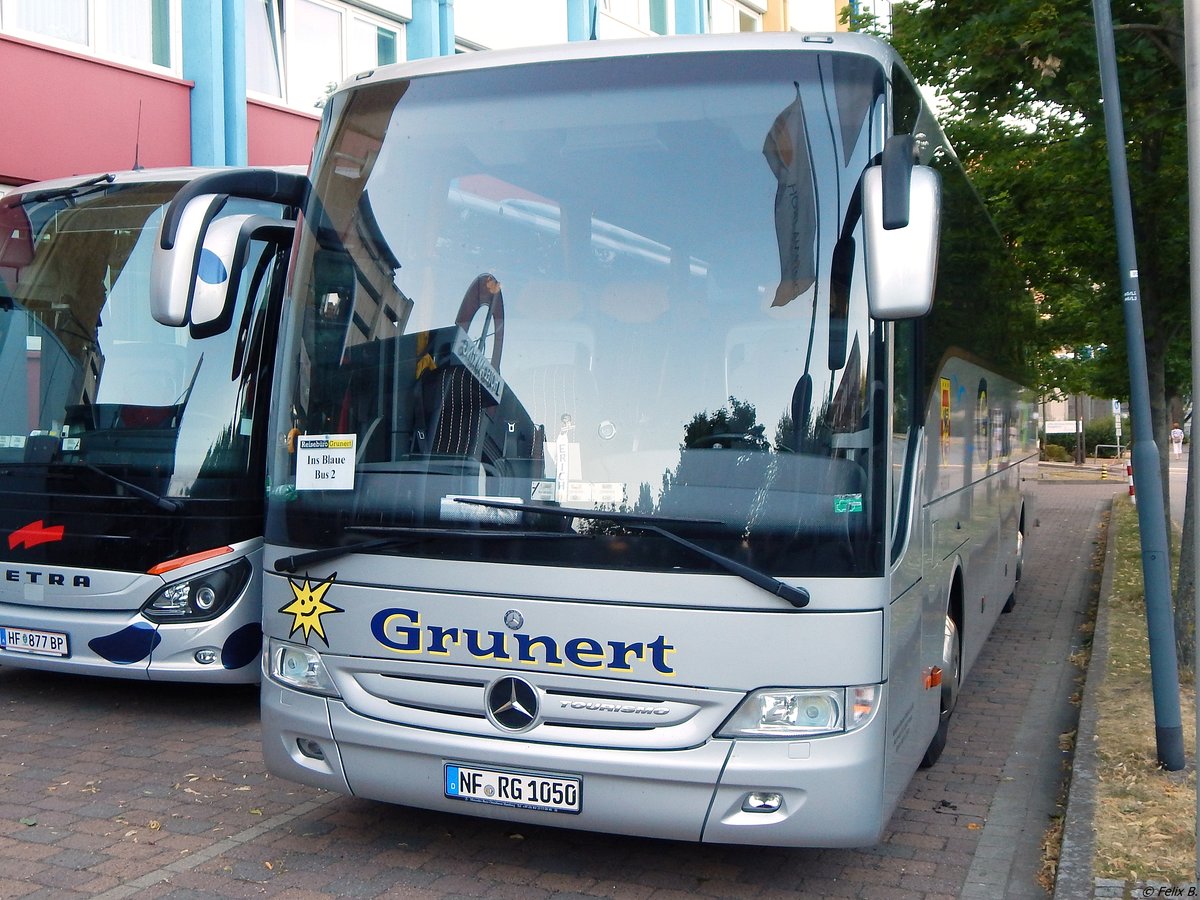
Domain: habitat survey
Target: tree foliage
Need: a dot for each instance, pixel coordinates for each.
(1020, 87)
(1019, 81)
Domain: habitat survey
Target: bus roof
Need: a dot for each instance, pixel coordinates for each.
(134, 176)
(848, 42)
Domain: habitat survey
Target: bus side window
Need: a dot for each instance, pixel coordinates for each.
(904, 411)
(904, 381)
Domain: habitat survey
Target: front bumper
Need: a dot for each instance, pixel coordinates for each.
(831, 787)
(120, 644)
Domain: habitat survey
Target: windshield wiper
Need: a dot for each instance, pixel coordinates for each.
(796, 596)
(312, 557)
(400, 535)
(167, 504)
(70, 192)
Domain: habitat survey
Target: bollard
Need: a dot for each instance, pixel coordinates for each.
(1129, 478)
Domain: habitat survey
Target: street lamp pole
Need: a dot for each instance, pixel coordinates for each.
(1156, 571)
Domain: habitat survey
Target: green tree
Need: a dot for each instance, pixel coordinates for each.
(1020, 84)
(734, 425)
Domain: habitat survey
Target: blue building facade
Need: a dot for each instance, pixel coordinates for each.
(250, 76)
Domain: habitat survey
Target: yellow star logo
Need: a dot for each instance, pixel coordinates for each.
(308, 606)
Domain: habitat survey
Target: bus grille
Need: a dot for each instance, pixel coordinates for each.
(571, 710)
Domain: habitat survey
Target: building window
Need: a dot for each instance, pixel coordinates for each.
(138, 29)
(140, 32)
(62, 20)
(371, 45)
(264, 48)
(649, 16)
(660, 22)
(730, 16)
(881, 10)
(297, 51)
(313, 54)
(628, 11)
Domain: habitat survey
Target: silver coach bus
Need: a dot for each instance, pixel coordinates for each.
(628, 473)
(131, 454)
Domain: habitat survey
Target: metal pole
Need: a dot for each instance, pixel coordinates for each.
(1080, 455)
(1191, 40)
(1156, 568)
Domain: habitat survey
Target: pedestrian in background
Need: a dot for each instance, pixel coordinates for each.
(1177, 441)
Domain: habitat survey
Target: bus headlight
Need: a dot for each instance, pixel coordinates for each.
(299, 667)
(781, 712)
(200, 597)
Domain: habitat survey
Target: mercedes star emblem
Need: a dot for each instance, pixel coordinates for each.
(512, 704)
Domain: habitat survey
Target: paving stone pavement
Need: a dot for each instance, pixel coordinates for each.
(117, 789)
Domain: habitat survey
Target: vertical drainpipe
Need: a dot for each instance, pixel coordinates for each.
(234, 66)
(580, 15)
(202, 54)
(446, 27)
(422, 31)
(689, 16)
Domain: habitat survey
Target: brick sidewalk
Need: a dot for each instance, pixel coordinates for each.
(1036, 642)
(115, 789)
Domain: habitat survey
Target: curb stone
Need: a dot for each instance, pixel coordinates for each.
(1074, 879)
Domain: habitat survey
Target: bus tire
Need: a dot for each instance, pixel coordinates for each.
(951, 679)
(1011, 602)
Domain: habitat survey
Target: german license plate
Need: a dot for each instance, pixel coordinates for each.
(525, 790)
(30, 640)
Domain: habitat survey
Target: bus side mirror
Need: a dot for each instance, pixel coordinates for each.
(902, 205)
(175, 265)
(195, 282)
(198, 257)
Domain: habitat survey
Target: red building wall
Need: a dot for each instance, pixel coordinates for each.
(276, 136)
(64, 113)
(69, 114)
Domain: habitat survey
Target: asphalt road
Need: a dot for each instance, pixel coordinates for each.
(116, 789)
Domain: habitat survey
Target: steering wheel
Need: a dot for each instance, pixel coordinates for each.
(481, 316)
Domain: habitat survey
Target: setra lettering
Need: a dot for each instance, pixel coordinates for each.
(54, 579)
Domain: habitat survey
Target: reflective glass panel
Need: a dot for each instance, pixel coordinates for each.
(645, 301)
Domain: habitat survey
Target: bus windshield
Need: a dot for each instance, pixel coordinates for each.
(512, 286)
(90, 379)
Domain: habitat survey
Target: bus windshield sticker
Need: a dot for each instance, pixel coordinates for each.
(945, 418)
(325, 462)
(848, 503)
